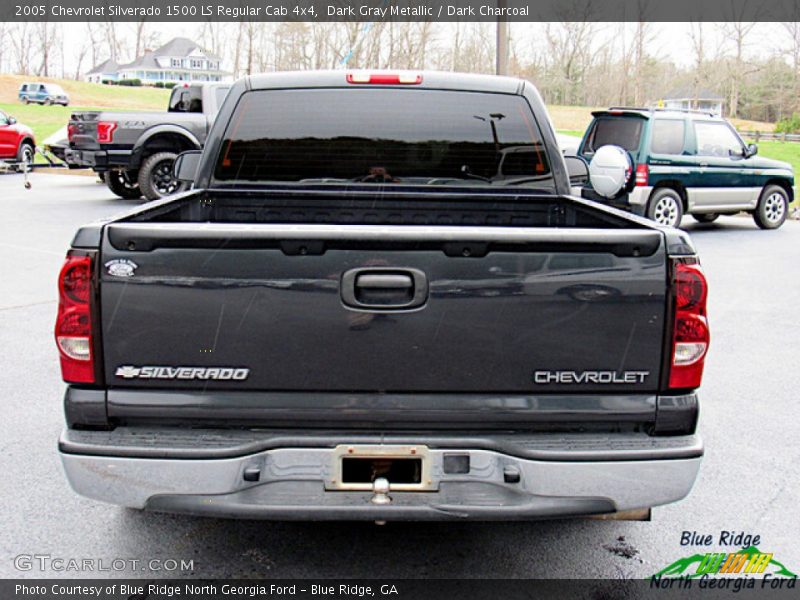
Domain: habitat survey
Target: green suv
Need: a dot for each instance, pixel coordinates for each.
(689, 162)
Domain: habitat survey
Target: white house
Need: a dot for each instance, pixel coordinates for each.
(105, 71)
(178, 60)
(688, 99)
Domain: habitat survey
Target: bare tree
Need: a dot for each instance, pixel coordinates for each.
(737, 32)
(47, 36)
(144, 38)
(792, 28)
(21, 38)
(572, 49)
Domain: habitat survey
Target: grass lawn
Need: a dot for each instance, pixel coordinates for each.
(46, 120)
(786, 151)
(82, 93)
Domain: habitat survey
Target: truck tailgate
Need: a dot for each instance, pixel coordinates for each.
(384, 308)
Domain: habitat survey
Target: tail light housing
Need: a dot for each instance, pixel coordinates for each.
(690, 335)
(74, 321)
(642, 174)
(105, 131)
(71, 130)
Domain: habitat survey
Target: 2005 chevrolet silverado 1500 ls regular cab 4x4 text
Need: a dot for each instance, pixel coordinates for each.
(381, 302)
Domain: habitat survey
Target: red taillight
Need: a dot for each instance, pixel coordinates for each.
(71, 130)
(690, 335)
(74, 320)
(642, 174)
(105, 131)
(384, 78)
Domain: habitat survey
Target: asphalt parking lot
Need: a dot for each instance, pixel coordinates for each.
(749, 414)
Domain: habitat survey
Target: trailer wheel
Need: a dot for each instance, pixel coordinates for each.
(155, 176)
(123, 184)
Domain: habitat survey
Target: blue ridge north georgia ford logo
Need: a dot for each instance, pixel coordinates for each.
(121, 267)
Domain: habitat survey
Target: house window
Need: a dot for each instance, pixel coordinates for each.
(176, 62)
(196, 63)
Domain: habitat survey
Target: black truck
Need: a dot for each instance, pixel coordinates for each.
(380, 301)
(134, 151)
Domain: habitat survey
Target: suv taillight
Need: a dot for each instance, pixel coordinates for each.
(105, 131)
(690, 334)
(71, 130)
(74, 320)
(642, 174)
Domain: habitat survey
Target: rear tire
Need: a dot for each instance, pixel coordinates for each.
(772, 208)
(48, 101)
(706, 217)
(123, 185)
(155, 176)
(665, 207)
(25, 100)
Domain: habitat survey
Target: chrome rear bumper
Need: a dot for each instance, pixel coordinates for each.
(291, 482)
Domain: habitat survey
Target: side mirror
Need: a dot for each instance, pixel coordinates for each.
(610, 170)
(752, 150)
(12, 121)
(577, 169)
(184, 168)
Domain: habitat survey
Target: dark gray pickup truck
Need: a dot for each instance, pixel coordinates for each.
(380, 302)
(134, 151)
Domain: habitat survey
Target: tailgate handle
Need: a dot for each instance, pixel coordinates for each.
(384, 288)
(385, 281)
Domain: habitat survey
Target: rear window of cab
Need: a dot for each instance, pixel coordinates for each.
(417, 137)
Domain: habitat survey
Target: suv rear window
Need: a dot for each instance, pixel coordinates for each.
(623, 131)
(668, 136)
(382, 135)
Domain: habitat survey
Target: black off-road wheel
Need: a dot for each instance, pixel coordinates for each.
(155, 176)
(123, 184)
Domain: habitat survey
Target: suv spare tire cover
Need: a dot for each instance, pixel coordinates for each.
(610, 170)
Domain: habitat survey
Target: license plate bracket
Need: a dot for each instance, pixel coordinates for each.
(355, 467)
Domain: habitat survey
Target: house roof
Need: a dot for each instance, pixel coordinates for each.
(689, 93)
(179, 47)
(107, 66)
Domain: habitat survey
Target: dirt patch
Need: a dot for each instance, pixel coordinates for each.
(621, 548)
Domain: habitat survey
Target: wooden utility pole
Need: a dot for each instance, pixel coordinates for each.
(501, 47)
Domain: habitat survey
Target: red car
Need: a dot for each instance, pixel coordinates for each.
(16, 140)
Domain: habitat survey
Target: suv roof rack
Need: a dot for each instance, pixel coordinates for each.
(652, 109)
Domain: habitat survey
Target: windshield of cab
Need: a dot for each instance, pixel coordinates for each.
(383, 135)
